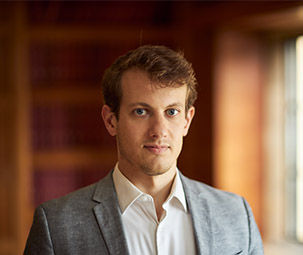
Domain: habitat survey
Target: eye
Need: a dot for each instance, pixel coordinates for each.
(172, 112)
(140, 112)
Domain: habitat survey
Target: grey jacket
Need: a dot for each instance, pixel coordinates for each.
(88, 221)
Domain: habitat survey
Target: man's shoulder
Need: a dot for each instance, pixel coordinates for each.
(231, 218)
(222, 204)
(78, 198)
(211, 194)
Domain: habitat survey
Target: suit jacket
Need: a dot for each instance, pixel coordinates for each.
(88, 221)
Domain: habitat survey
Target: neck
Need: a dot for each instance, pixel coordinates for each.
(158, 186)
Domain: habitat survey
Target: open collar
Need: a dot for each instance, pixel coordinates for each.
(128, 193)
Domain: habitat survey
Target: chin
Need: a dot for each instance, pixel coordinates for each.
(154, 173)
(156, 170)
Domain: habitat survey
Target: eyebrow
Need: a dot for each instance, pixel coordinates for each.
(148, 106)
(176, 104)
(139, 104)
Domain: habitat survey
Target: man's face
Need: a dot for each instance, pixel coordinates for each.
(151, 125)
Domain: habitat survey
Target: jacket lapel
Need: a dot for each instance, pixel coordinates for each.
(108, 216)
(201, 216)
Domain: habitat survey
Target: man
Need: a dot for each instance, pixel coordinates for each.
(145, 205)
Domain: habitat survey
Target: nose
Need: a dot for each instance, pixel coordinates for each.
(158, 127)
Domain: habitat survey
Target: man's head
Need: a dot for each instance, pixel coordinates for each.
(163, 65)
(149, 93)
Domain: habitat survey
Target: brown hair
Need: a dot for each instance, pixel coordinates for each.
(162, 64)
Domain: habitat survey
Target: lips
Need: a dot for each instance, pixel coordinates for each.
(156, 149)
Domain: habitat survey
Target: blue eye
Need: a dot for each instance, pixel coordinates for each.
(140, 112)
(172, 112)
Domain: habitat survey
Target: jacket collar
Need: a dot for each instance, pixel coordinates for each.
(200, 210)
(108, 216)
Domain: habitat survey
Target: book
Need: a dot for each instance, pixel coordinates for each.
(69, 64)
(63, 126)
(53, 183)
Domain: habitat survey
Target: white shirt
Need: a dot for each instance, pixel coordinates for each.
(144, 233)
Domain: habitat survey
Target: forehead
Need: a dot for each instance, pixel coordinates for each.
(133, 77)
(137, 86)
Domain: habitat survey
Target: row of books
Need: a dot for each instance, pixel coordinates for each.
(63, 126)
(75, 64)
(69, 62)
(102, 12)
(53, 183)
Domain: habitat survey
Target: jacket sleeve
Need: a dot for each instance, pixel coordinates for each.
(39, 239)
(255, 242)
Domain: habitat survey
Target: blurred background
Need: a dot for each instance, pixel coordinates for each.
(247, 135)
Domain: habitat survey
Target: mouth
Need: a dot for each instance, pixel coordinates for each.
(156, 149)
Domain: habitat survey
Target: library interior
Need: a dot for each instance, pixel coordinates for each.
(247, 134)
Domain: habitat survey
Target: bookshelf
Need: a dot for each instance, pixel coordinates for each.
(50, 98)
(5, 135)
(11, 219)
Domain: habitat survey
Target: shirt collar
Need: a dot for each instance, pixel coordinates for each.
(128, 193)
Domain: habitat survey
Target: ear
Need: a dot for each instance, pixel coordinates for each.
(110, 120)
(188, 118)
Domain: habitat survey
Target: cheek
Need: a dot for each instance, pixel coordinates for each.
(130, 132)
(178, 133)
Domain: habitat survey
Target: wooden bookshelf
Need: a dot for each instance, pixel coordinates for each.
(8, 173)
(108, 34)
(53, 54)
(73, 157)
(67, 93)
(52, 90)
(56, 54)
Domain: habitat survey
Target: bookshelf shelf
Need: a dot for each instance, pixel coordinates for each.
(74, 157)
(54, 103)
(67, 93)
(103, 34)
